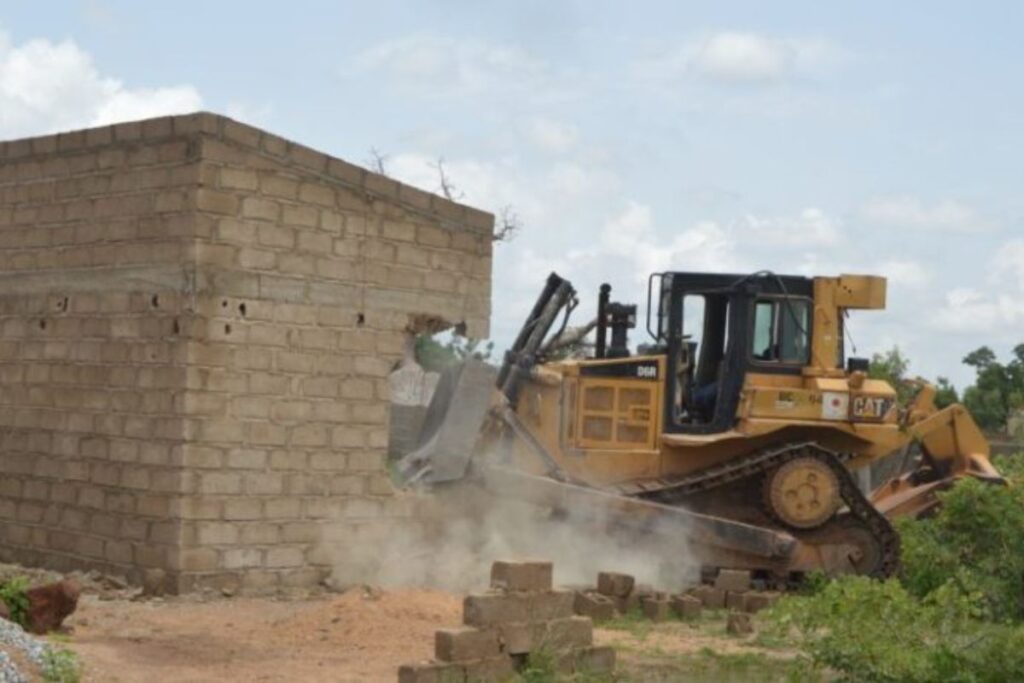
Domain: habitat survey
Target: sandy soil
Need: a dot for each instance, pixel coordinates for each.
(357, 636)
(361, 635)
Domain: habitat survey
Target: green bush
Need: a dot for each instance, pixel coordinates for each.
(60, 666)
(974, 545)
(13, 593)
(868, 630)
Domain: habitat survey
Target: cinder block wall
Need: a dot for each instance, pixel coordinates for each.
(198, 319)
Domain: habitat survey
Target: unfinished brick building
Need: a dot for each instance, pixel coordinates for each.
(197, 322)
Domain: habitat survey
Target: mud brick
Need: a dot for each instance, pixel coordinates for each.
(431, 672)
(460, 644)
(594, 661)
(573, 632)
(594, 605)
(550, 605)
(713, 598)
(737, 580)
(655, 609)
(492, 670)
(487, 609)
(755, 602)
(686, 606)
(522, 576)
(739, 624)
(615, 585)
(735, 600)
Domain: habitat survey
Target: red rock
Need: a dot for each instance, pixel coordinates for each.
(50, 605)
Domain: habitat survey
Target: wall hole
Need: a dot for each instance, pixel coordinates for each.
(42, 324)
(176, 327)
(227, 329)
(155, 301)
(224, 304)
(241, 308)
(360, 319)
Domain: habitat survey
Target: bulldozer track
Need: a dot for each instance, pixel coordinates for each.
(675, 491)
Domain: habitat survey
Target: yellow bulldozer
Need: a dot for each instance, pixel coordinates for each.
(742, 424)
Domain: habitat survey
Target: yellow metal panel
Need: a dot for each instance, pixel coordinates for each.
(617, 413)
(861, 291)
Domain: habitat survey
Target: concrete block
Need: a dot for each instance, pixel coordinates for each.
(627, 604)
(593, 661)
(522, 576)
(755, 602)
(687, 606)
(551, 605)
(655, 608)
(733, 580)
(734, 600)
(488, 609)
(460, 644)
(713, 598)
(739, 624)
(520, 638)
(431, 672)
(496, 669)
(594, 605)
(615, 585)
(573, 632)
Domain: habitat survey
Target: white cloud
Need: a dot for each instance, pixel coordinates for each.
(748, 57)
(46, 87)
(445, 66)
(905, 273)
(970, 310)
(551, 136)
(809, 228)
(734, 56)
(1009, 261)
(905, 211)
(995, 312)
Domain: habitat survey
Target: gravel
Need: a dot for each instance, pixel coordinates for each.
(13, 636)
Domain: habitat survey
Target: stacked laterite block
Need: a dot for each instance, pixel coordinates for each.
(520, 614)
(197, 323)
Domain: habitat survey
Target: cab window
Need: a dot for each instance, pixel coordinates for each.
(781, 331)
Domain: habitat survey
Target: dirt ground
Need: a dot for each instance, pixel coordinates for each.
(361, 635)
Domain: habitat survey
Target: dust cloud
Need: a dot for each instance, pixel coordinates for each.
(469, 526)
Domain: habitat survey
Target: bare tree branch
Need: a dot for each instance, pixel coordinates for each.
(507, 225)
(377, 161)
(446, 186)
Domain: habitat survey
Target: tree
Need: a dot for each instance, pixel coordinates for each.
(945, 393)
(892, 367)
(435, 356)
(998, 389)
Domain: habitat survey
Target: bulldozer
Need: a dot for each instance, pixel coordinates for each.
(742, 426)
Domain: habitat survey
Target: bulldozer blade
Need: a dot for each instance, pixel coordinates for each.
(714, 540)
(453, 423)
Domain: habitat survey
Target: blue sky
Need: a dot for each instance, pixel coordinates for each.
(801, 137)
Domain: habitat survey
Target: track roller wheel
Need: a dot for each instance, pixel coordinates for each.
(803, 492)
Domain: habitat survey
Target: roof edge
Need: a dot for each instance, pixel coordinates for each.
(256, 139)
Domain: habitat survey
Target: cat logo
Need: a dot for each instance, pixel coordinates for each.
(871, 407)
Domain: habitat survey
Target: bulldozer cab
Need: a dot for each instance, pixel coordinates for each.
(714, 329)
